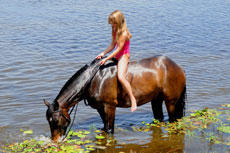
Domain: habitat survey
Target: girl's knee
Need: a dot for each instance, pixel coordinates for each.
(121, 78)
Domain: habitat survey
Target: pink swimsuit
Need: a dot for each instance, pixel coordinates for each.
(124, 50)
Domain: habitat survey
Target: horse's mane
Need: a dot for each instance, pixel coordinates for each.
(74, 88)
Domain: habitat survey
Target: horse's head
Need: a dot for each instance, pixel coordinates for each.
(58, 119)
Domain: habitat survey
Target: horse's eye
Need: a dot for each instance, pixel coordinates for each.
(55, 116)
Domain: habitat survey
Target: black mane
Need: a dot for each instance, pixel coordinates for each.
(75, 86)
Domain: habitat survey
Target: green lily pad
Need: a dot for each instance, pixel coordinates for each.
(225, 129)
(28, 132)
(100, 137)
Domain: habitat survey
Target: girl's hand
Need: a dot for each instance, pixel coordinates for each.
(100, 55)
(103, 61)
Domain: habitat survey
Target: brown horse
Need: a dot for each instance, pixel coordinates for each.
(154, 80)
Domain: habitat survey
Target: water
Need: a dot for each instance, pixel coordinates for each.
(43, 43)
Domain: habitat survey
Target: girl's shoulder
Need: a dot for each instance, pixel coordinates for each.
(125, 34)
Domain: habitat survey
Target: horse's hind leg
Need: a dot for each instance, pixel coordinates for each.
(170, 105)
(176, 106)
(157, 107)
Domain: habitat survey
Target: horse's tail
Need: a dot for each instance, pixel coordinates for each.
(180, 105)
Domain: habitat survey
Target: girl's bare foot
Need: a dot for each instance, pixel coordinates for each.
(133, 108)
(134, 105)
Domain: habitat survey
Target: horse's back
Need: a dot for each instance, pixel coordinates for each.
(148, 77)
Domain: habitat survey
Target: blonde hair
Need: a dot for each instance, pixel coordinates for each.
(118, 18)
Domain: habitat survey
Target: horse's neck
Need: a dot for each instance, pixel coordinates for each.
(74, 88)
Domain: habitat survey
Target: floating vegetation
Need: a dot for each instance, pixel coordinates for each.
(225, 129)
(76, 141)
(210, 125)
(198, 124)
(28, 132)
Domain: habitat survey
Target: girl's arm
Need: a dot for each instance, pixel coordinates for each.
(121, 43)
(110, 48)
(107, 50)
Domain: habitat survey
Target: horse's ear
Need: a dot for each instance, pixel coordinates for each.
(46, 103)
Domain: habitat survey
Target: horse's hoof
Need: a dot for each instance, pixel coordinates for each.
(111, 132)
(103, 129)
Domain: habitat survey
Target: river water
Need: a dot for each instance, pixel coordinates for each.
(44, 42)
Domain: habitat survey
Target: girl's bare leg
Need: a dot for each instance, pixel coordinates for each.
(122, 69)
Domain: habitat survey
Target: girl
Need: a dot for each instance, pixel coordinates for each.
(120, 37)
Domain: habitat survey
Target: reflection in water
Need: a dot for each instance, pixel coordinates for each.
(159, 141)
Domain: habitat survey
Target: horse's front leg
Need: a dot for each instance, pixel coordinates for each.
(110, 117)
(101, 111)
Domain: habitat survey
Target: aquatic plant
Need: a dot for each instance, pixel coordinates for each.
(197, 124)
(76, 141)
